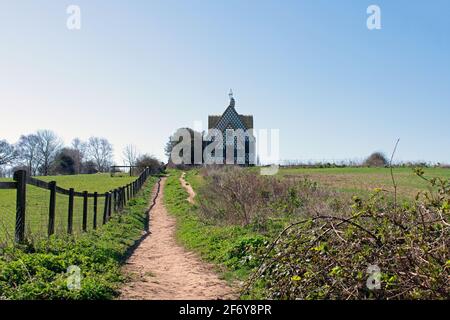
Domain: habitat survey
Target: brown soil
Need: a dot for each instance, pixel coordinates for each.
(188, 188)
(161, 269)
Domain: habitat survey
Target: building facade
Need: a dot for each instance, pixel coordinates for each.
(232, 136)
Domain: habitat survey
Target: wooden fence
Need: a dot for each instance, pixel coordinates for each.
(114, 201)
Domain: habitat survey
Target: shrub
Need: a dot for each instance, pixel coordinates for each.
(147, 161)
(232, 195)
(330, 257)
(376, 159)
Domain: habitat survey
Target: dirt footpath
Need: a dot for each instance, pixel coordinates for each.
(161, 269)
(188, 188)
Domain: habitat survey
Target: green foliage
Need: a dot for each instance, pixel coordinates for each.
(40, 271)
(327, 257)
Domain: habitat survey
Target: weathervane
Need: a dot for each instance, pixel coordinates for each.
(231, 98)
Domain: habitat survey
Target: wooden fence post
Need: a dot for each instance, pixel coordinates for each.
(121, 198)
(52, 208)
(70, 212)
(85, 210)
(109, 204)
(118, 199)
(115, 200)
(95, 210)
(20, 177)
(105, 209)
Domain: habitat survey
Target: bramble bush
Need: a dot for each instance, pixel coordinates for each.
(331, 257)
(233, 195)
(330, 248)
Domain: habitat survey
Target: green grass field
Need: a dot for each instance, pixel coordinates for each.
(363, 180)
(38, 200)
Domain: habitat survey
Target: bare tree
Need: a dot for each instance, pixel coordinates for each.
(149, 161)
(80, 155)
(49, 145)
(28, 152)
(7, 153)
(100, 151)
(130, 155)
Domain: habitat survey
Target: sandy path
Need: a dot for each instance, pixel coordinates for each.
(188, 188)
(161, 269)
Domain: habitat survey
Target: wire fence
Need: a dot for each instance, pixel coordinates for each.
(7, 226)
(32, 208)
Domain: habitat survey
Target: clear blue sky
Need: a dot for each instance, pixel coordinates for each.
(137, 70)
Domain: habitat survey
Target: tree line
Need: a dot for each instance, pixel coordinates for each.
(44, 153)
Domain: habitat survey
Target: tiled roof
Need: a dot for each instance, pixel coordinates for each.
(247, 120)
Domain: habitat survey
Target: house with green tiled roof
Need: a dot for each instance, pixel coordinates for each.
(239, 129)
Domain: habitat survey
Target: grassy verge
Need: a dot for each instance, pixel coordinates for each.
(225, 246)
(40, 271)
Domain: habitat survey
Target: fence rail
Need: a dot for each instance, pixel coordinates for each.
(8, 185)
(114, 201)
